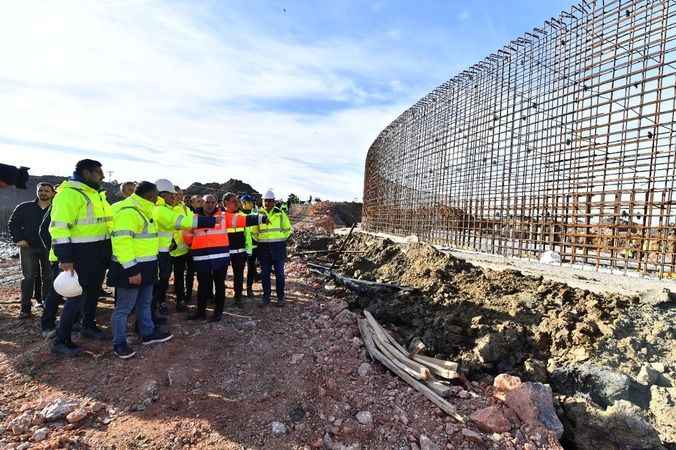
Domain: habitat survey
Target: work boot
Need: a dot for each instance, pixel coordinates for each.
(93, 333)
(249, 292)
(123, 351)
(157, 337)
(59, 348)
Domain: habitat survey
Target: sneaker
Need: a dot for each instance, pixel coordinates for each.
(48, 334)
(93, 333)
(163, 309)
(59, 348)
(215, 318)
(157, 337)
(23, 315)
(123, 351)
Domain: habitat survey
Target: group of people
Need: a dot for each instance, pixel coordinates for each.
(71, 234)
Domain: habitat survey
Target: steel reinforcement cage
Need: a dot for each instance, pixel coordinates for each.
(562, 140)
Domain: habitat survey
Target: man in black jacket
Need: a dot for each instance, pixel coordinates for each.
(24, 227)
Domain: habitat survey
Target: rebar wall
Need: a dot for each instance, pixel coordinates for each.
(562, 140)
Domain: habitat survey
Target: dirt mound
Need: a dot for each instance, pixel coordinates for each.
(508, 322)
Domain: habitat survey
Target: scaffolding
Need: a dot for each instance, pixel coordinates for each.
(562, 140)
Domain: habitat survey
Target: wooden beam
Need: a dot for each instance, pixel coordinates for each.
(415, 384)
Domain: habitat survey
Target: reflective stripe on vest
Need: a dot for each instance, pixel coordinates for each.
(235, 230)
(237, 250)
(135, 261)
(209, 257)
(91, 219)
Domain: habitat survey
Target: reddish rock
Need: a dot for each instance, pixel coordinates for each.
(532, 402)
(491, 420)
(77, 416)
(504, 383)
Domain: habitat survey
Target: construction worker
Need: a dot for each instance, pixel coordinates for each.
(180, 257)
(135, 245)
(248, 207)
(271, 238)
(127, 188)
(238, 247)
(210, 252)
(168, 221)
(80, 230)
(196, 204)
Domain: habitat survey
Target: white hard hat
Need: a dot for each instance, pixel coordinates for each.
(165, 186)
(269, 195)
(66, 284)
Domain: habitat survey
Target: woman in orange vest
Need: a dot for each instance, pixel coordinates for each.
(210, 250)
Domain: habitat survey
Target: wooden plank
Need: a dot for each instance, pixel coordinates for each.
(415, 384)
(383, 341)
(440, 388)
(437, 369)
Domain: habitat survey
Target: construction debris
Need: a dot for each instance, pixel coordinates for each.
(382, 347)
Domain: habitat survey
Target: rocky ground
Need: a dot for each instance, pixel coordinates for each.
(292, 378)
(610, 359)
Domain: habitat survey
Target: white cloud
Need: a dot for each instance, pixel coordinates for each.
(145, 80)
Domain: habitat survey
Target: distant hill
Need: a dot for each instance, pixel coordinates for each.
(218, 189)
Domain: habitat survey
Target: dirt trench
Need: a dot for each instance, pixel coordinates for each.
(610, 359)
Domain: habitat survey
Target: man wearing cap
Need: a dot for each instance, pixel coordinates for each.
(271, 238)
(168, 222)
(248, 207)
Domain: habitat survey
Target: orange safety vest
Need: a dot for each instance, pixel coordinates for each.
(210, 246)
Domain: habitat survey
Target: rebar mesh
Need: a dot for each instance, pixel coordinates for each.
(562, 140)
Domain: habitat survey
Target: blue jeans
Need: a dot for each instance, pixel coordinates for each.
(267, 261)
(127, 298)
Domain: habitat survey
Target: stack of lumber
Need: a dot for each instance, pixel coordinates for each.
(423, 373)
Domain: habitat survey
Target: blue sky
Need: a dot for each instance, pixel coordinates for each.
(281, 94)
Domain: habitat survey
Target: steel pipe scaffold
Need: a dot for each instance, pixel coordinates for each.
(561, 140)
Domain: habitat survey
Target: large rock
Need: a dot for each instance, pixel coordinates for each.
(663, 409)
(532, 402)
(58, 409)
(22, 423)
(619, 427)
(504, 383)
(77, 416)
(491, 420)
(603, 384)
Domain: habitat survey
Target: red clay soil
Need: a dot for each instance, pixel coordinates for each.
(223, 385)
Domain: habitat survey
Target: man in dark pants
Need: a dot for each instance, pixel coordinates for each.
(24, 227)
(196, 206)
(238, 252)
(251, 245)
(272, 239)
(80, 230)
(52, 299)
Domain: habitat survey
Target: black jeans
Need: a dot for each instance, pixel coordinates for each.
(162, 284)
(251, 271)
(34, 264)
(51, 305)
(178, 264)
(189, 278)
(237, 262)
(205, 281)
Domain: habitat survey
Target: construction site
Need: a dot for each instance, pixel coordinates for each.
(508, 283)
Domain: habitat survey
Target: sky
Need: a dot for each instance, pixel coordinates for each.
(287, 95)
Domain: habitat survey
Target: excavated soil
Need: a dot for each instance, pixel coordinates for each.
(504, 321)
